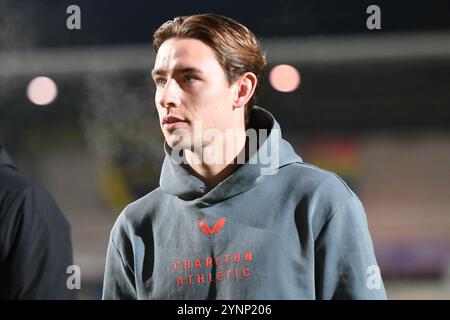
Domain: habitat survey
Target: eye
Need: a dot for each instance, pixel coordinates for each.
(189, 79)
(160, 82)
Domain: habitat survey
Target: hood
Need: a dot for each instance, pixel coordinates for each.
(5, 159)
(273, 153)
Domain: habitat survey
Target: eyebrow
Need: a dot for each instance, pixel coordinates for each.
(160, 71)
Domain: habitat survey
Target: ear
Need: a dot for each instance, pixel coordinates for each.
(245, 86)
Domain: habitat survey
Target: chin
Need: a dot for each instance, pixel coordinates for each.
(175, 141)
(179, 138)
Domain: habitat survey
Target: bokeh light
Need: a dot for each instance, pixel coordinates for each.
(284, 78)
(42, 91)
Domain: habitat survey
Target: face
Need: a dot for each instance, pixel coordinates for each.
(192, 88)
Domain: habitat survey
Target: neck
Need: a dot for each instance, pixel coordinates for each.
(218, 159)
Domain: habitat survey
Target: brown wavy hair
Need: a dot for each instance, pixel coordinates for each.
(236, 47)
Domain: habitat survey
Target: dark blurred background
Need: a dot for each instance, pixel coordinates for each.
(371, 105)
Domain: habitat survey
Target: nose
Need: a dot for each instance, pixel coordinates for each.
(169, 95)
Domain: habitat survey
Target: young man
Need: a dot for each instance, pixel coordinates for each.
(238, 215)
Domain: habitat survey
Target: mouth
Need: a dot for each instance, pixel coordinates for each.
(171, 122)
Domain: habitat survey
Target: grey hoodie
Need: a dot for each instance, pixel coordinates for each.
(296, 232)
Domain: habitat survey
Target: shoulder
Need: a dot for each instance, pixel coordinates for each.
(20, 195)
(320, 194)
(138, 214)
(311, 181)
(29, 214)
(13, 184)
